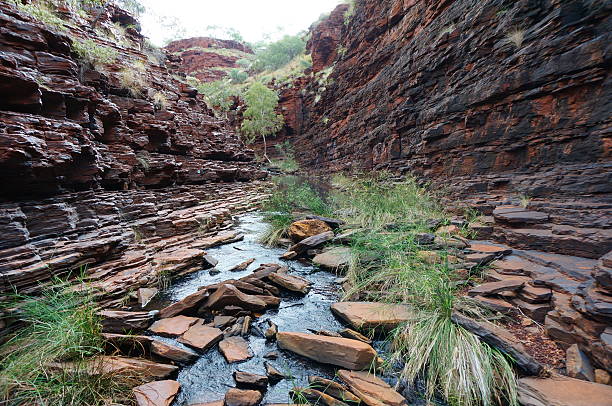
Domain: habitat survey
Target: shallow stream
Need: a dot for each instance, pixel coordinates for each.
(211, 376)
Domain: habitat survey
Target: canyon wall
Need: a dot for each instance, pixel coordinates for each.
(92, 165)
(207, 59)
(487, 96)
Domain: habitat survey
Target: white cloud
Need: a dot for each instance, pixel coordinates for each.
(252, 18)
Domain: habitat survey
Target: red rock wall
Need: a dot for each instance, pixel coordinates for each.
(436, 89)
(190, 59)
(65, 127)
(325, 37)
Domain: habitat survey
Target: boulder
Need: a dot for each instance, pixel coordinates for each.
(602, 377)
(343, 352)
(174, 326)
(201, 337)
(290, 282)
(333, 223)
(577, 364)
(302, 229)
(371, 315)
(116, 321)
(235, 349)
(184, 305)
(312, 242)
(249, 380)
(172, 352)
(159, 393)
(241, 397)
(337, 258)
(562, 391)
(372, 390)
(229, 295)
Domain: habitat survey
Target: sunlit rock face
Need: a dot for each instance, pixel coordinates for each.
(487, 96)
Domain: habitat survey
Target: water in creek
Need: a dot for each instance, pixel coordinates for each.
(211, 376)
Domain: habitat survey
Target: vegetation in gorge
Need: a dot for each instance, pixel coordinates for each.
(260, 118)
(388, 266)
(61, 329)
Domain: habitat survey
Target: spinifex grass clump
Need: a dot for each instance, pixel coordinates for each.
(291, 194)
(387, 266)
(61, 326)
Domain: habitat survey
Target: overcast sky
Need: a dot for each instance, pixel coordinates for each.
(253, 18)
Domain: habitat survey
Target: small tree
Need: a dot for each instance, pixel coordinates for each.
(260, 116)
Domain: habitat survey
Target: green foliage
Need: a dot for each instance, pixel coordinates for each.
(93, 54)
(218, 95)
(133, 6)
(287, 163)
(44, 12)
(238, 76)
(279, 53)
(260, 118)
(348, 15)
(61, 326)
(160, 101)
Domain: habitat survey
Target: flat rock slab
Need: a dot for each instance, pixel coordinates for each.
(332, 388)
(371, 315)
(201, 337)
(519, 215)
(312, 242)
(577, 364)
(240, 397)
(235, 349)
(372, 390)
(501, 339)
(117, 321)
(333, 259)
(290, 282)
(184, 305)
(160, 393)
(562, 391)
(174, 326)
(113, 365)
(343, 352)
(491, 288)
(249, 380)
(172, 352)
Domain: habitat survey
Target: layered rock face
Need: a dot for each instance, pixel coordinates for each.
(489, 96)
(83, 159)
(325, 37)
(207, 59)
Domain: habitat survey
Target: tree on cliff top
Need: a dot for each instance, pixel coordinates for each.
(260, 118)
(279, 53)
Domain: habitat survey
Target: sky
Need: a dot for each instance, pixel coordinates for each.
(252, 18)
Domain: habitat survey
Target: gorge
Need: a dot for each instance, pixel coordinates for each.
(465, 143)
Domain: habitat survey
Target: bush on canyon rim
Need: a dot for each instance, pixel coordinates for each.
(60, 326)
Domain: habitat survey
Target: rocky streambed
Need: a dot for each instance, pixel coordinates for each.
(250, 330)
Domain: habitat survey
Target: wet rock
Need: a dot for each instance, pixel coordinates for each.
(243, 265)
(159, 393)
(235, 349)
(145, 295)
(223, 321)
(332, 388)
(337, 258)
(271, 331)
(249, 380)
(290, 282)
(577, 364)
(242, 397)
(302, 229)
(491, 288)
(289, 255)
(246, 326)
(115, 321)
(312, 242)
(372, 390)
(501, 339)
(274, 375)
(342, 352)
(355, 335)
(185, 305)
(172, 352)
(371, 315)
(209, 262)
(229, 295)
(271, 355)
(562, 391)
(173, 326)
(201, 337)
